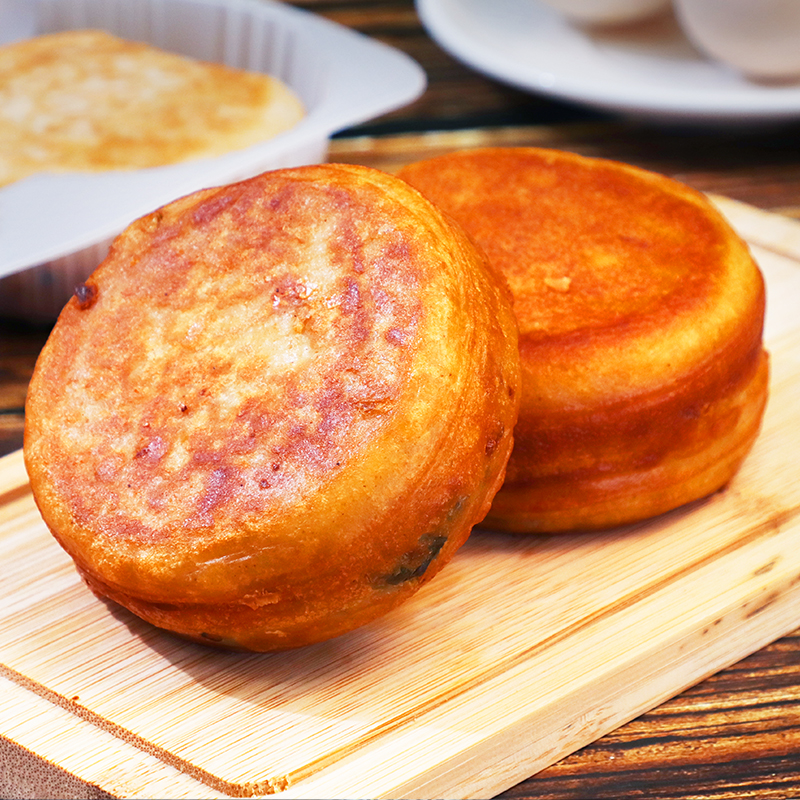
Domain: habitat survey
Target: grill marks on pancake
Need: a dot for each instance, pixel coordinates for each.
(272, 332)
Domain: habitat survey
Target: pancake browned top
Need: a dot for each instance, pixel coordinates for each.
(260, 368)
(621, 278)
(86, 101)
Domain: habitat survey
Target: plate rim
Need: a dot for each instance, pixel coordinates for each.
(767, 103)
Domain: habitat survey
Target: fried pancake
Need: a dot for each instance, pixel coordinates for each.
(277, 408)
(87, 101)
(640, 314)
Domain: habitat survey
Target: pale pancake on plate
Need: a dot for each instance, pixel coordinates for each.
(87, 101)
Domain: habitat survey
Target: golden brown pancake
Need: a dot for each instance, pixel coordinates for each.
(87, 101)
(277, 408)
(640, 314)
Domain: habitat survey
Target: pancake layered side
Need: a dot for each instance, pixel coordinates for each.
(277, 408)
(87, 101)
(641, 315)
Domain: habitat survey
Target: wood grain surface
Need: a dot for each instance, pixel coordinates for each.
(462, 691)
(736, 734)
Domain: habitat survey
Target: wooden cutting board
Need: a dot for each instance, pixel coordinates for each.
(521, 651)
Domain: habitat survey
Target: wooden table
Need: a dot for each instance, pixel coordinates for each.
(736, 734)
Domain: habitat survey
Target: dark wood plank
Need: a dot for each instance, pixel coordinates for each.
(759, 166)
(735, 735)
(20, 344)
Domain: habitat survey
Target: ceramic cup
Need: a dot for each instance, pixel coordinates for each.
(760, 38)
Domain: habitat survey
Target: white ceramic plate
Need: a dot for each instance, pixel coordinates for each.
(66, 221)
(650, 70)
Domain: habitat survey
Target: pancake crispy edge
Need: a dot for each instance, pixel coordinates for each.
(641, 317)
(277, 408)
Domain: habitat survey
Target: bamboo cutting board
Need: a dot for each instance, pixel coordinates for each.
(521, 651)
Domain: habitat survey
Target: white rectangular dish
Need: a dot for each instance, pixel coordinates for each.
(55, 229)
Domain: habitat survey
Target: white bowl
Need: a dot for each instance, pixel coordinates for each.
(760, 38)
(607, 12)
(55, 229)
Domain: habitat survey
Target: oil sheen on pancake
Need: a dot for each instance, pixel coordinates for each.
(640, 314)
(277, 408)
(87, 101)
